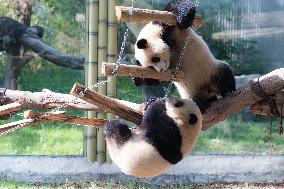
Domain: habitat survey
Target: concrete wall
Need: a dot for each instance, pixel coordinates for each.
(193, 169)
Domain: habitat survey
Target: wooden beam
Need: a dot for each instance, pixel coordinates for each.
(146, 16)
(60, 116)
(107, 104)
(138, 71)
(10, 108)
(36, 118)
(45, 100)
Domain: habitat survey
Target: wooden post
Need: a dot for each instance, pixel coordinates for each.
(91, 135)
(107, 104)
(102, 56)
(111, 54)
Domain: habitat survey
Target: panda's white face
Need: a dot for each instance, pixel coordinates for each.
(183, 111)
(151, 50)
(188, 118)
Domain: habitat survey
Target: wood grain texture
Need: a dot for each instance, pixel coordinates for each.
(142, 72)
(147, 15)
(107, 104)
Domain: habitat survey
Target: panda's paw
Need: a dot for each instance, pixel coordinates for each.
(118, 131)
(137, 81)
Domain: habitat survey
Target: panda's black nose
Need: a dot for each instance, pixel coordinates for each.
(193, 119)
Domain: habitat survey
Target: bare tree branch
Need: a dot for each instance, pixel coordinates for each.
(243, 97)
(13, 33)
(45, 100)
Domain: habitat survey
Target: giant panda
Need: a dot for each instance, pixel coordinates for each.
(169, 129)
(159, 46)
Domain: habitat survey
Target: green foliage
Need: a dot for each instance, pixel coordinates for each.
(235, 137)
(45, 139)
(39, 74)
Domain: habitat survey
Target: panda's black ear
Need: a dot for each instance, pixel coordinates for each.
(193, 119)
(142, 44)
(184, 10)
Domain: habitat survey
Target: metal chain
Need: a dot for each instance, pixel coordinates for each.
(179, 63)
(168, 91)
(82, 93)
(125, 37)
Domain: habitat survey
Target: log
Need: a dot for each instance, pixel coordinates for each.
(36, 118)
(45, 100)
(138, 71)
(146, 16)
(60, 116)
(10, 108)
(11, 127)
(51, 100)
(107, 104)
(243, 97)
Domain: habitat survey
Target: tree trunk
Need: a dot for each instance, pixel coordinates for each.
(13, 68)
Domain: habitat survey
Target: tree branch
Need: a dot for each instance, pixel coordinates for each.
(46, 52)
(243, 97)
(45, 100)
(17, 34)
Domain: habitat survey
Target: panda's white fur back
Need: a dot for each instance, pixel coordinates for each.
(128, 157)
(198, 63)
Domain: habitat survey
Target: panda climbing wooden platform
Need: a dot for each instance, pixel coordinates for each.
(128, 14)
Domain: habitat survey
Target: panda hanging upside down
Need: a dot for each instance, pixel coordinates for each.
(169, 129)
(159, 46)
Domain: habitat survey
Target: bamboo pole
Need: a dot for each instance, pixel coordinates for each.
(111, 55)
(138, 71)
(87, 7)
(92, 73)
(146, 16)
(102, 57)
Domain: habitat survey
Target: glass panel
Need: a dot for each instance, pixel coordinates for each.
(248, 35)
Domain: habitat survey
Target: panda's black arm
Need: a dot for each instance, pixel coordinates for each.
(118, 131)
(184, 10)
(162, 132)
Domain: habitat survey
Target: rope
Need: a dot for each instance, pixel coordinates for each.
(259, 91)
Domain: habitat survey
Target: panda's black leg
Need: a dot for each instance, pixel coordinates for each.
(184, 10)
(225, 79)
(118, 131)
(203, 102)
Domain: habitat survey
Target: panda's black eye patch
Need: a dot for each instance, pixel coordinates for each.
(178, 104)
(193, 119)
(156, 59)
(142, 44)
